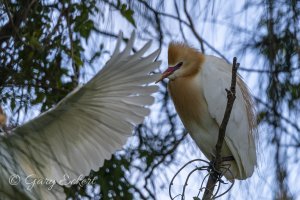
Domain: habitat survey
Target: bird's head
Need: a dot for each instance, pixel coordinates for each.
(2, 118)
(182, 60)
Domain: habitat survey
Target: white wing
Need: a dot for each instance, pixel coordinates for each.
(91, 123)
(216, 77)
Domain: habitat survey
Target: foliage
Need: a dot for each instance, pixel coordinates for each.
(111, 187)
(126, 12)
(41, 51)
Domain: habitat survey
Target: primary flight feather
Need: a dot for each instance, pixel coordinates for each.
(82, 130)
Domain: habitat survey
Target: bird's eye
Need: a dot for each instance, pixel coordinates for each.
(178, 65)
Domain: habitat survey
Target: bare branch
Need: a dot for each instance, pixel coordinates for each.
(269, 71)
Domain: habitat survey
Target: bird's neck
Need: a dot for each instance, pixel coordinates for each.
(187, 97)
(2, 119)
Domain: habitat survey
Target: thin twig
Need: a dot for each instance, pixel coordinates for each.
(180, 22)
(184, 166)
(189, 24)
(278, 114)
(212, 180)
(270, 71)
(192, 26)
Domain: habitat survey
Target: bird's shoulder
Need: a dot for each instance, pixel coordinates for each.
(215, 64)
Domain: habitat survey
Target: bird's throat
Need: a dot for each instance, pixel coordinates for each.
(188, 98)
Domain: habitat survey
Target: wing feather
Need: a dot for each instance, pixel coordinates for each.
(92, 122)
(239, 133)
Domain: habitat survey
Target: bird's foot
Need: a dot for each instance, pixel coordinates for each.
(218, 173)
(212, 169)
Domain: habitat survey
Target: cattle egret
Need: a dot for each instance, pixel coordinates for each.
(65, 143)
(197, 86)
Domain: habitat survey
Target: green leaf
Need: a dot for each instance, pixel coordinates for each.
(127, 13)
(39, 98)
(78, 60)
(85, 31)
(261, 116)
(34, 43)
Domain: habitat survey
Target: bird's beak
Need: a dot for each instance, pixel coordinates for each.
(164, 75)
(169, 71)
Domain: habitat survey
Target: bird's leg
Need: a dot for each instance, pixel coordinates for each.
(212, 169)
(217, 173)
(212, 162)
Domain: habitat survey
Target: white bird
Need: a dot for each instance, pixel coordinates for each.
(197, 86)
(65, 143)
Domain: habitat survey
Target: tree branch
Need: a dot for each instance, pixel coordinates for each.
(15, 20)
(192, 26)
(217, 161)
(270, 71)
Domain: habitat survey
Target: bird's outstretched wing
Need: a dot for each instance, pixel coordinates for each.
(239, 133)
(92, 122)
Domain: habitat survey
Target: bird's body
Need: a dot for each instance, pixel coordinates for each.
(201, 126)
(198, 92)
(65, 143)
